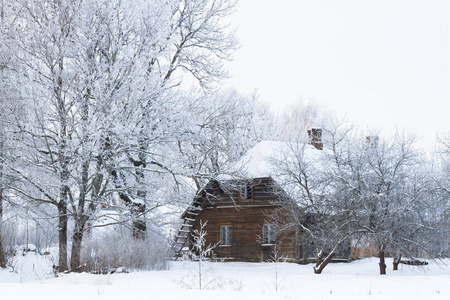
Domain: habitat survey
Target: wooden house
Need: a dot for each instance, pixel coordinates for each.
(238, 218)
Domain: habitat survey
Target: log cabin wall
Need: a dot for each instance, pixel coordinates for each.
(246, 218)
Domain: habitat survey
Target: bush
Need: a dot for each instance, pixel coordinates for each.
(111, 251)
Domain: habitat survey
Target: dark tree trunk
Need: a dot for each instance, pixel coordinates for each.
(62, 232)
(75, 258)
(82, 215)
(77, 241)
(396, 262)
(137, 210)
(319, 259)
(2, 251)
(382, 260)
(139, 224)
(64, 159)
(321, 264)
(3, 258)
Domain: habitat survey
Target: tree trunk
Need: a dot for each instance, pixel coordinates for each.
(322, 264)
(382, 261)
(62, 232)
(137, 210)
(3, 258)
(396, 262)
(139, 224)
(75, 258)
(81, 216)
(319, 259)
(2, 251)
(63, 165)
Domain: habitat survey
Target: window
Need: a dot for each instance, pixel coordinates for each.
(245, 191)
(225, 235)
(268, 233)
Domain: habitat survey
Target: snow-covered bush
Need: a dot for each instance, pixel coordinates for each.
(113, 250)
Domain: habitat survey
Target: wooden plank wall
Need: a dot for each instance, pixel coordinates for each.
(247, 219)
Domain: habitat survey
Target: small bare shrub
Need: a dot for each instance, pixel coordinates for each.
(277, 280)
(204, 275)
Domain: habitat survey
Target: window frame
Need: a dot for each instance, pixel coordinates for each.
(248, 187)
(269, 234)
(228, 234)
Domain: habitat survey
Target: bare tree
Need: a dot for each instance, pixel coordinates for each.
(357, 186)
(308, 175)
(390, 189)
(435, 209)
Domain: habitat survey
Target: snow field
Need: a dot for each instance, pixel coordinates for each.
(232, 280)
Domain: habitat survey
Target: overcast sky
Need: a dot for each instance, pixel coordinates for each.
(382, 63)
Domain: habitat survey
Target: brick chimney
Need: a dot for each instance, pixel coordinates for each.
(315, 138)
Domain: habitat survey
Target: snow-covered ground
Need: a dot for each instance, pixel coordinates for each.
(357, 280)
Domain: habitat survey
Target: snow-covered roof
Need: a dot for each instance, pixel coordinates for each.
(256, 162)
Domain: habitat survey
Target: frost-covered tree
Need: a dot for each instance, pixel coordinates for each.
(309, 177)
(200, 41)
(222, 127)
(48, 148)
(295, 119)
(356, 187)
(103, 120)
(10, 103)
(436, 208)
(380, 183)
(388, 187)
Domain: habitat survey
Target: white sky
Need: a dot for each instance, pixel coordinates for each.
(382, 63)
